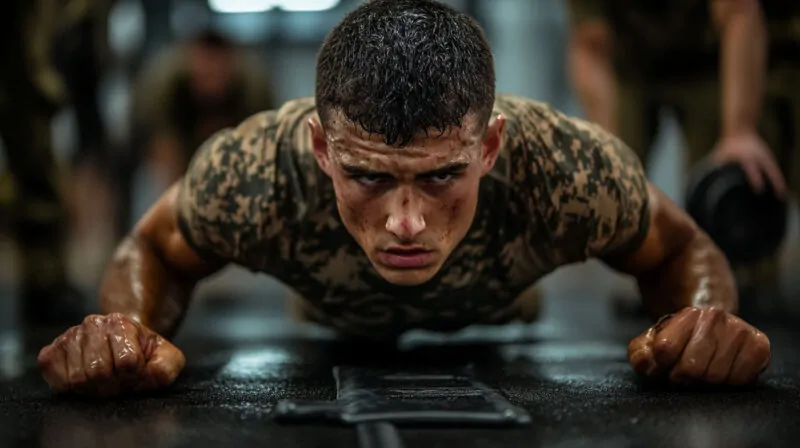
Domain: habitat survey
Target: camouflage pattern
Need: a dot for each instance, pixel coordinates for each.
(562, 191)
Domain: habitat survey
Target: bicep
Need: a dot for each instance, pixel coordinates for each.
(669, 230)
(159, 229)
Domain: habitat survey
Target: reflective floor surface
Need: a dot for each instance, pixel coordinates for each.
(569, 372)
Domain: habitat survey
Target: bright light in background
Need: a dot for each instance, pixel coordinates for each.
(251, 6)
(307, 5)
(241, 6)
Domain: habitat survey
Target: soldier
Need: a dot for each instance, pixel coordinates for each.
(191, 91)
(30, 93)
(81, 53)
(727, 68)
(408, 195)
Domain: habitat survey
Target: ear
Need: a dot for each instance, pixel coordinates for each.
(492, 142)
(320, 145)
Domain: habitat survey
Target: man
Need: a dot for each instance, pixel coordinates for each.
(191, 91)
(183, 96)
(406, 195)
(727, 68)
(82, 55)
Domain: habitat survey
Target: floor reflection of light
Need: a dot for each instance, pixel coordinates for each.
(249, 363)
(10, 362)
(567, 351)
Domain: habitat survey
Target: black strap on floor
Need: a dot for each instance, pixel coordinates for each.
(451, 398)
(378, 435)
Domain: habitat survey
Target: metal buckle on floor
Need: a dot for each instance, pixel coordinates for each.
(375, 400)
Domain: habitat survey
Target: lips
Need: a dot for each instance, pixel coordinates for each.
(405, 257)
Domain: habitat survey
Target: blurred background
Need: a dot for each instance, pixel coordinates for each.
(118, 140)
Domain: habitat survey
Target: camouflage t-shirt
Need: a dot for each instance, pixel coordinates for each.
(562, 191)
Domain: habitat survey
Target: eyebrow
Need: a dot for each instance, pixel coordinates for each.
(453, 167)
(354, 170)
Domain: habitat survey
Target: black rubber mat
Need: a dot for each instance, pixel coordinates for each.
(571, 377)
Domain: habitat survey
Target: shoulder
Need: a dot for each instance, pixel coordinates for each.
(547, 140)
(235, 194)
(583, 182)
(247, 155)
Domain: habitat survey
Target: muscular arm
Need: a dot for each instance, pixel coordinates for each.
(743, 65)
(592, 73)
(678, 265)
(154, 271)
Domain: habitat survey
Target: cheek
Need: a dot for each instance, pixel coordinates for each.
(456, 210)
(356, 209)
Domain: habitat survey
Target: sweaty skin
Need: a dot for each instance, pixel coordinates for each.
(542, 190)
(388, 197)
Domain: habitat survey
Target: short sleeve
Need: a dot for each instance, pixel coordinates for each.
(227, 198)
(595, 189)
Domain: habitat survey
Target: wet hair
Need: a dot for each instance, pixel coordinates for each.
(400, 68)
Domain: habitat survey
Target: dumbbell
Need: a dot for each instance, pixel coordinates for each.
(747, 226)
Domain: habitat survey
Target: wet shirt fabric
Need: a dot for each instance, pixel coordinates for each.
(562, 191)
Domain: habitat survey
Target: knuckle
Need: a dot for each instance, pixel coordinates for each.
(70, 334)
(740, 333)
(128, 364)
(761, 347)
(62, 340)
(98, 370)
(716, 314)
(45, 357)
(92, 319)
(664, 348)
(116, 318)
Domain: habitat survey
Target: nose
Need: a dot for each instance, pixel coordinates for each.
(405, 220)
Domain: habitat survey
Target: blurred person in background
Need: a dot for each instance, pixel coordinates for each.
(727, 68)
(31, 92)
(191, 91)
(82, 55)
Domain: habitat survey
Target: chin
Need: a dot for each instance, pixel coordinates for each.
(407, 277)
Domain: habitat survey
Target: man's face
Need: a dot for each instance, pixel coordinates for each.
(407, 207)
(211, 74)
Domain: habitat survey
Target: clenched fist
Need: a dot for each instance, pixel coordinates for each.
(109, 355)
(701, 345)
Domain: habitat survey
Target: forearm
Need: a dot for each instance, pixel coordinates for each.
(140, 284)
(695, 275)
(743, 67)
(595, 84)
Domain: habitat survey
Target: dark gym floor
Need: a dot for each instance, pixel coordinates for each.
(569, 372)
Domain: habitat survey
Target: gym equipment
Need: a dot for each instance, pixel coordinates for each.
(747, 226)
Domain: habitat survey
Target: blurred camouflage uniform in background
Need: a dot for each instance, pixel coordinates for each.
(32, 91)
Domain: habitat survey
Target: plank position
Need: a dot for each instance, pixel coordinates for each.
(408, 195)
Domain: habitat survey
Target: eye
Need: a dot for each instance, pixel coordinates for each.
(441, 178)
(370, 180)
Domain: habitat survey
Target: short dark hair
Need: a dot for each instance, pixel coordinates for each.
(398, 68)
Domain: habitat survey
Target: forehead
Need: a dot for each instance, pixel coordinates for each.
(350, 144)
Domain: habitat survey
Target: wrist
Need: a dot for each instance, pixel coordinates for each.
(738, 130)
